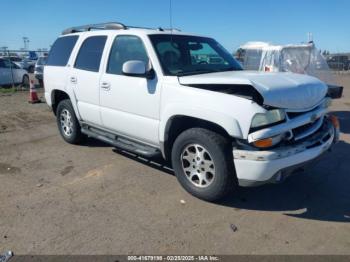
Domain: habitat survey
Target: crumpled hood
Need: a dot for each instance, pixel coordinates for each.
(282, 90)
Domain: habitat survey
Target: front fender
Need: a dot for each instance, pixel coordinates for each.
(225, 121)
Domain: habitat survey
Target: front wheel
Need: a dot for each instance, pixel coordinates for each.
(203, 164)
(68, 123)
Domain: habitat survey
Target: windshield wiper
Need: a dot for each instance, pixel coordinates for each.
(196, 72)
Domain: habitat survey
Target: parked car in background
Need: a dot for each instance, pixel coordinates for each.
(39, 69)
(15, 59)
(10, 73)
(28, 65)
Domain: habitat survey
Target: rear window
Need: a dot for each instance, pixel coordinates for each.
(61, 50)
(90, 53)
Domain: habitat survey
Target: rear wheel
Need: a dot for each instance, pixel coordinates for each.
(68, 123)
(203, 163)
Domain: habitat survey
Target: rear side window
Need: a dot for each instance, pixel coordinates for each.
(61, 50)
(90, 53)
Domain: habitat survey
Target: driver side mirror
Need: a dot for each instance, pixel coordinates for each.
(137, 68)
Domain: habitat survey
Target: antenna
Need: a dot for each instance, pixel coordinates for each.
(309, 37)
(171, 15)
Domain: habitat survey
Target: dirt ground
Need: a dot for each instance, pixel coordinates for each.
(57, 198)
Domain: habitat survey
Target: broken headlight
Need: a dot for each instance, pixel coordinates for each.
(268, 118)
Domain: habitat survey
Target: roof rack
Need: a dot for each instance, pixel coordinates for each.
(102, 26)
(109, 26)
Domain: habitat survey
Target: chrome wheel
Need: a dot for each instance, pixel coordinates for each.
(198, 165)
(66, 122)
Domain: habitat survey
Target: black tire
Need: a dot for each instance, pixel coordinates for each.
(224, 180)
(74, 136)
(25, 81)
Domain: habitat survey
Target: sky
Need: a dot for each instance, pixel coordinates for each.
(230, 22)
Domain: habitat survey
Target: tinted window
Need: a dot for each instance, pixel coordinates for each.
(90, 53)
(125, 48)
(61, 50)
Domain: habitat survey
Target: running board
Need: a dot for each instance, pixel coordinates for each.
(121, 143)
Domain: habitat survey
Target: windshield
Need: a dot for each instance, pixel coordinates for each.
(188, 55)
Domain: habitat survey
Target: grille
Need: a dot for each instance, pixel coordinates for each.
(307, 130)
(292, 115)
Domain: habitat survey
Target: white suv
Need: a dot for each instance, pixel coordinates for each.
(182, 96)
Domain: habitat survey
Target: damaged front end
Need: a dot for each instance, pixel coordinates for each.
(272, 153)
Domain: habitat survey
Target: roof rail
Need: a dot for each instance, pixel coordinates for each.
(109, 26)
(102, 26)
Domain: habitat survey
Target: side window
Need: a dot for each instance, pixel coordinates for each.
(90, 53)
(2, 64)
(61, 50)
(125, 48)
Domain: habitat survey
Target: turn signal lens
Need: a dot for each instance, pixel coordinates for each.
(335, 121)
(263, 143)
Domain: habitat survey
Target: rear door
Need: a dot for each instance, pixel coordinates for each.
(84, 78)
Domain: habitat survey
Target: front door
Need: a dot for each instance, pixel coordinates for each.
(129, 104)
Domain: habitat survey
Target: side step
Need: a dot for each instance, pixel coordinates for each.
(122, 143)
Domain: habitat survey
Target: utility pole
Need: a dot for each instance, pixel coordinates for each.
(4, 49)
(25, 42)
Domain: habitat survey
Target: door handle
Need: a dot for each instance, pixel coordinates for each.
(105, 85)
(73, 79)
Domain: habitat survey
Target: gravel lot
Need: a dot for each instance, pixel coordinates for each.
(57, 198)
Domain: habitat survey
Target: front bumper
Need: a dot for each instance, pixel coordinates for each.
(261, 167)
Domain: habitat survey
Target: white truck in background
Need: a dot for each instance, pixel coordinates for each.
(146, 91)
